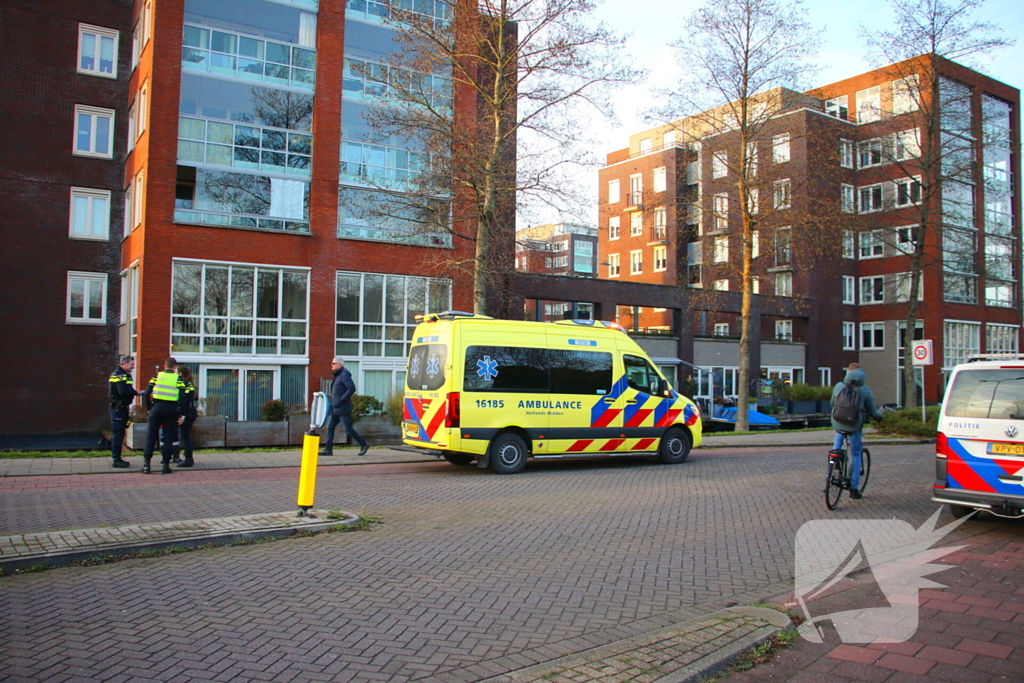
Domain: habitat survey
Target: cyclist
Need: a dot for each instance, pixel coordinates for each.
(855, 377)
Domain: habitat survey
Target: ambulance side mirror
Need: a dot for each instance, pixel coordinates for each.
(663, 387)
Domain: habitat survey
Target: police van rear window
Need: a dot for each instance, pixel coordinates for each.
(519, 369)
(426, 367)
(987, 394)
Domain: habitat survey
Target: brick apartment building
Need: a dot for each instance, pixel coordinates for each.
(557, 249)
(839, 211)
(188, 177)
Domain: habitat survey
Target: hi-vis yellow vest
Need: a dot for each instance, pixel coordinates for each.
(166, 387)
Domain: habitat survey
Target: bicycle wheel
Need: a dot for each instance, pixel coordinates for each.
(865, 468)
(834, 483)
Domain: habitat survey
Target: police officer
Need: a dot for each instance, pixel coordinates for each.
(122, 395)
(165, 398)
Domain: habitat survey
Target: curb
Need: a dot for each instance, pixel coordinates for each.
(867, 442)
(187, 541)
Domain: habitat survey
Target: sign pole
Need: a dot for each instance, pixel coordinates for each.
(310, 446)
(924, 415)
(922, 352)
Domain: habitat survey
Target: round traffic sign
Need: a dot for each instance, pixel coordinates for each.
(920, 352)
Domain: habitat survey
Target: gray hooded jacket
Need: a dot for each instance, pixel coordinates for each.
(867, 400)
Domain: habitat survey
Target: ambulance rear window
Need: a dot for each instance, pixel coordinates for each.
(987, 394)
(426, 367)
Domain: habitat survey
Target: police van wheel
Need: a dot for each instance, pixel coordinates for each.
(960, 510)
(675, 446)
(458, 458)
(508, 454)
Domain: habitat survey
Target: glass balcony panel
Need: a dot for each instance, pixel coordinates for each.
(242, 221)
(250, 68)
(298, 164)
(246, 158)
(303, 78)
(196, 37)
(250, 47)
(191, 151)
(271, 224)
(223, 133)
(247, 136)
(303, 58)
(218, 154)
(278, 53)
(222, 64)
(192, 58)
(224, 42)
(192, 129)
(272, 161)
(273, 139)
(300, 144)
(277, 73)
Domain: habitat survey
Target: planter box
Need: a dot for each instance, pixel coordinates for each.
(795, 407)
(256, 433)
(135, 436)
(209, 432)
(378, 430)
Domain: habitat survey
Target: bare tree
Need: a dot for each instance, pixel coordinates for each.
(735, 53)
(491, 96)
(935, 154)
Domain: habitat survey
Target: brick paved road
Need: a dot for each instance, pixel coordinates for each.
(471, 575)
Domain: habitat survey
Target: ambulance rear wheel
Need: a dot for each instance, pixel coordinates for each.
(508, 454)
(458, 458)
(675, 446)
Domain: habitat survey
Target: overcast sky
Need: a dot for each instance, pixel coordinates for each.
(655, 23)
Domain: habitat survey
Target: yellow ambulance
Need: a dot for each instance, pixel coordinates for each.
(499, 391)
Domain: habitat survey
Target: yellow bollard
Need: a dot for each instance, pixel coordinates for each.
(307, 472)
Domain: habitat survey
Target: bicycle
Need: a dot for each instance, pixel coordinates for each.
(839, 463)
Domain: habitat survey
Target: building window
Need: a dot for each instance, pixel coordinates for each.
(613, 265)
(636, 190)
(141, 110)
(130, 305)
(722, 285)
(613, 192)
(849, 336)
(906, 145)
(869, 153)
(869, 105)
(1000, 338)
(869, 198)
(659, 179)
(755, 244)
(824, 377)
(660, 259)
(721, 253)
(87, 298)
(636, 262)
(901, 287)
(872, 290)
(97, 51)
(905, 94)
(784, 330)
(636, 223)
(721, 212)
(780, 148)
(755, 285)
(871, 244)
(846, 153)
(613, 228)
(694, 261)
(838, 107)
(247, 310)
(906, 239)
(847, 198)
(138, 195)
(849, 289)
(784, 284)
(129, 225)
(908, 192)
(669, 138)
(872, 336)
(90, 214)
(960, 340)
(783, 194)
(720, 164)
(783, 246)
(849, 245)
(645, 145)
(751, 159)
(721, 329)
(660, 223)
(93, 131)
(753, 201)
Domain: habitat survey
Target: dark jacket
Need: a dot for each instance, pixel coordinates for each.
(342, 391)
(867, 401)
(122, 389)
(180, 405)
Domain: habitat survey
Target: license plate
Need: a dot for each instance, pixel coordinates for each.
(1006, 448)
(412, 430)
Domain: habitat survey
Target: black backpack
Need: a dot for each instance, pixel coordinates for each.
(847, 406)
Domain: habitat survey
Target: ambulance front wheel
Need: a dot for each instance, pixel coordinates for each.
(458, 458)
(675, 446)
(508, 453)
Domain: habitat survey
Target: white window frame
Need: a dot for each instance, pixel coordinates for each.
(99, 32)
(720, 253)
(614, 192)
(636, 224)
(755, 244)
(839, 107)
(825, 377)
(94, 113)
(138, 196)
(132, 121)
(614, 227)
(783, 194)
(910, 184)
(872, 245)
(784, 330)
(846, 154)
(720, 209)
(636, 262)
(780, 148)
(870, 188)
(721, 329)
(752, 159)
(869, 104)
(901, 287)
(967, 333)
(849, 244)
(906, 144)
(872, 290)
(720, 164)
(902, 245)
(646, 145)
(129, 225)
(755, 285)
(849, 336)
(787, 278)
(994, 345)
(659, 179)
(660, 259)
(848, 198)
(614, 265)
(660, 223)
(906, 95)
(89, 195)
(753, 201)
(872, 329)
(90, 280)
(850, 290)
(142, 110)
(870, 149)
(722, 285)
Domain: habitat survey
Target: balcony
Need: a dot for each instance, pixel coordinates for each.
(248, 58)
(634, 201)
(261, 148)
(239, 220)
(658, 235)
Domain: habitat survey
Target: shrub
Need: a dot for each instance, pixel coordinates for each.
(824, 393)
(274, 410)
(210, 406)
(395, 407)
(800, 392)
(907, 422)
(365, 405)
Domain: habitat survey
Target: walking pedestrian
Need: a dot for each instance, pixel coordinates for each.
(165, 397)
(122, 394)
(342, 391)
(185, 432)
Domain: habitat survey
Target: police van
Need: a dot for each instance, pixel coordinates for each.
(500, 391)
(979, 447)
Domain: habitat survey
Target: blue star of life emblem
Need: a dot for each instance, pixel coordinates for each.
(414, 367)
(487, 368)
(433, 366)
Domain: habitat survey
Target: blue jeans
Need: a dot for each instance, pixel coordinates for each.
(856, 456)
(349, 429)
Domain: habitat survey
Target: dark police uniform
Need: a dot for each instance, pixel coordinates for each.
(122, 395)
(166, 398)
(191, 413)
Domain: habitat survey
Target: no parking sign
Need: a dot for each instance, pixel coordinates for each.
(923, 352)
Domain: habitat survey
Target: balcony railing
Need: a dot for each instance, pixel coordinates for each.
(248, 58)
(244, 146)
(239, 220)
